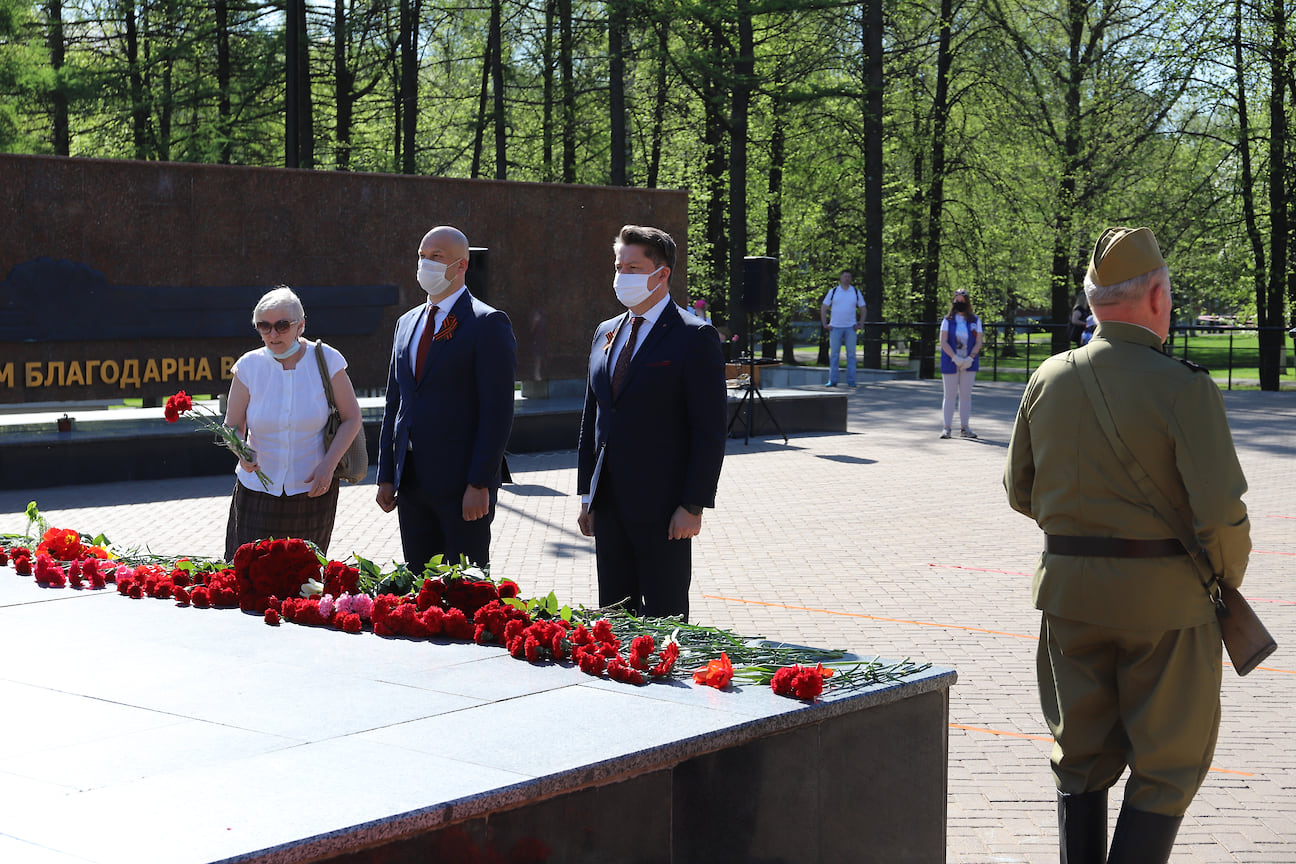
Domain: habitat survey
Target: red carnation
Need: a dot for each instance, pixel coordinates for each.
(619, 670)
(177, 405)
(200, 597)
(272, 617)
(782, 682)
(351, 623)
(590, 661)
(508, 589)
(457, 625)
(4, 557)
(669, 655)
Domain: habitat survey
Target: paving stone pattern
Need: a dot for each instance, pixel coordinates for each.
(886, 540)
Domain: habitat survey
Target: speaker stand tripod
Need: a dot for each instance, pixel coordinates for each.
(752, 388)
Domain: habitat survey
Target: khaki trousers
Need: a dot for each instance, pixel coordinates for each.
(1146, 700)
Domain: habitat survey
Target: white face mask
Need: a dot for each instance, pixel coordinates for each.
(632, 288)
(431, 276)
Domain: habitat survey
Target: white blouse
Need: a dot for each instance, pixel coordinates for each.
(285, 417)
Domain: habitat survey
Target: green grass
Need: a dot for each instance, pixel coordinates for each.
(1211, 350)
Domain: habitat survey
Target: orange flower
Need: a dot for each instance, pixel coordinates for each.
(717, 673)
(61, 544)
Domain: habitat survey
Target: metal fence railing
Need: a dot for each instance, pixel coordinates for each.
(1014, 351)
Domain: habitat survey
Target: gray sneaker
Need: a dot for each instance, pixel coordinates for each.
(967, 433)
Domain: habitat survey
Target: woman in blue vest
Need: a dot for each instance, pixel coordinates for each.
(960, 343)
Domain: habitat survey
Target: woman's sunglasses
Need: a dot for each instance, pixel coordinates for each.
(278, 326)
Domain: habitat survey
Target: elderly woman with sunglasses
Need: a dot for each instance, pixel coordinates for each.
(277, 401)
(961, 335)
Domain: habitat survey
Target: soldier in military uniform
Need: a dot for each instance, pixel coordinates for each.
(1129, 660)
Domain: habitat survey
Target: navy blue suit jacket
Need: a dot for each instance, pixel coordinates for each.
(663, 437)
(460, 413)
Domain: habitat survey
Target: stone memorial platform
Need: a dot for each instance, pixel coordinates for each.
(137, 731)
(105, 445)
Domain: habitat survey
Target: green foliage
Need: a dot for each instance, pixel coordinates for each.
(1044, 145)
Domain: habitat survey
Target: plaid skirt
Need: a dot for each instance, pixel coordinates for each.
(256, 516)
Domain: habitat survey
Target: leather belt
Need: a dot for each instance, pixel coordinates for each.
(1111, 547)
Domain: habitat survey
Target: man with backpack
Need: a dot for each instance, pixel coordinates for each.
(842, 313)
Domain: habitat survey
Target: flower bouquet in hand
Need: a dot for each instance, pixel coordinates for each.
(227, 436)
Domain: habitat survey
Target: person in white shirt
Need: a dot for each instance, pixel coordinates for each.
(842, 311)
(277, 403)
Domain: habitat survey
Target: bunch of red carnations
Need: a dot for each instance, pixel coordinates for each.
(346, 613)
(801, 682)
(598, 650)
(273, 568)
(403, 616)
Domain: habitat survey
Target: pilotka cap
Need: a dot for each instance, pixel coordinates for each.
(1123, 253)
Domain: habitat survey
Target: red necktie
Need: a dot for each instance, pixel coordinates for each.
(623, 359)
(425, 342)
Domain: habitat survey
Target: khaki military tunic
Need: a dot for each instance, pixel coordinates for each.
(1129, 659)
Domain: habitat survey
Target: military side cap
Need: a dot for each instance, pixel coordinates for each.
(1123, 253)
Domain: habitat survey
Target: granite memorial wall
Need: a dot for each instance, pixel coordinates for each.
(136, 279)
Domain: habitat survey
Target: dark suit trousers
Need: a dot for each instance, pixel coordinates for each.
(636, 561)
(432, 525)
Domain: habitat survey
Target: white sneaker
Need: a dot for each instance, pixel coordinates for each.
(945, 434)
(967, 433)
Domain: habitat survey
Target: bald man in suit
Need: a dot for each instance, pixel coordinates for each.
(449, 412)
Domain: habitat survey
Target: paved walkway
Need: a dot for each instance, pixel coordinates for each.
(888, 540)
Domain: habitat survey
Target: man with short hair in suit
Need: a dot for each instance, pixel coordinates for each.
(449, 412)
(652, 435)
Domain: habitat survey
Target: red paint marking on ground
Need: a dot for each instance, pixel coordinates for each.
(979, 569)
(1267, 600)
(1267, 552)
(1049, 739)
(872, 617)
(1276, 516)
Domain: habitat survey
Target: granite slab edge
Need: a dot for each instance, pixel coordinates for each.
(661, 757)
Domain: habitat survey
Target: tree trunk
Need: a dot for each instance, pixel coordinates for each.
(873, 170)
(62, 139)
(1247, 180)
(496, 51)
(714, 146)
(566, 47)
(224, 108)
(1063, 283)
(744, 71)
(139, 110)
(305, 118)
(774, 226)
(547, 123)
(616, 93)
(479, 131)
(343, 86)
(1270, 314)
(409, 83)
(659, 107)
(936, 197)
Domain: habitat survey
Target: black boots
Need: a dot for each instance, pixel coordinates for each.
(1082, 828)
(1142, 837)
